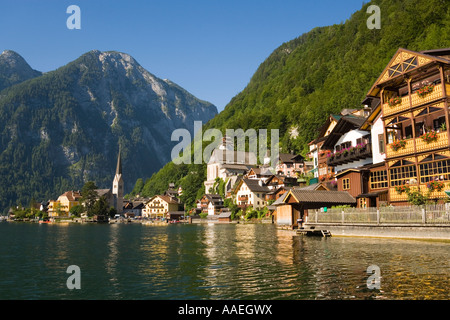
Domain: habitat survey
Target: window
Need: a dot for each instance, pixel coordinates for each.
(438, 170)
(381, 143)
(378, 179)
(439, 123)
(403, 175)
(363, 203)
(346, 184)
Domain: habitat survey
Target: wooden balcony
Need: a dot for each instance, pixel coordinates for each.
(403, 106)
(435, 194)
(394, 196)
(421, 146)
(415, 101)
(357, 154)
(430, 97)
(441, 142)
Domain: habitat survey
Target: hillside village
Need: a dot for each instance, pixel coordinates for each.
(392, 150)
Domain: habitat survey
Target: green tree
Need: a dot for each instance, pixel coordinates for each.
(101, 207)
(89, 197)
(417, 198)
(76, 210)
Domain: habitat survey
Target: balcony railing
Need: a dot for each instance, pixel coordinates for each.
(350, 156)
(421, 146)
(395, 196)
(404, 105)
(415, 101)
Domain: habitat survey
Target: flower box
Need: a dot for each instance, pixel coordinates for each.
(402, 189)
(429, 136)
(394, 101)
(422, 92)
(435, 185)
(398, 144)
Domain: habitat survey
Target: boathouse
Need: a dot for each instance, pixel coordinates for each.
(296, 203)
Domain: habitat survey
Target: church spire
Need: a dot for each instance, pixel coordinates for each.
(117, 190)
(119, 164)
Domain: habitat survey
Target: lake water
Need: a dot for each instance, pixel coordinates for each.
(217, 261)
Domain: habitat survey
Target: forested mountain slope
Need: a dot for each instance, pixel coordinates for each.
(321, 72)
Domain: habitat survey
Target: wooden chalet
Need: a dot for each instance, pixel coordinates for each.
(295, 204)
(413, 94)
(210, 203)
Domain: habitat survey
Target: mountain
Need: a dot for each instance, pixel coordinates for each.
(64, 127)
(14, 69)
(321, 72)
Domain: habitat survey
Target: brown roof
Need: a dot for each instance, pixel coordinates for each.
(168, 199)
(254, 185)
(72, 195)
(320, 196)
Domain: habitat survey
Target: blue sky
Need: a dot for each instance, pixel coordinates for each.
(209, 47)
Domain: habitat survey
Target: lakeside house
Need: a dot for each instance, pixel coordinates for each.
(158, 206)
(294, 205)
(251, 192)
(290, 165)
(210, 203)
(228, 165)
(402, 144)
(133, 208)
(61, 207)
(412, 95)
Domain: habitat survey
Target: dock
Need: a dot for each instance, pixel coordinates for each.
(312, 231)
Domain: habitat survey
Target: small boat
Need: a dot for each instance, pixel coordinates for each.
(45, 221)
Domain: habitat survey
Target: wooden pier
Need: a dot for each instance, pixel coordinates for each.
(312, 231)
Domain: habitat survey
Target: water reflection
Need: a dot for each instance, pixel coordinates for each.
(221, 261)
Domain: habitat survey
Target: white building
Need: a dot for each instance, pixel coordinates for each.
(227, 165)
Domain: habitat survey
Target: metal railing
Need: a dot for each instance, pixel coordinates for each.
(430, 214)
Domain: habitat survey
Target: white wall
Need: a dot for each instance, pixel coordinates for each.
(352, 136)
(377, 128)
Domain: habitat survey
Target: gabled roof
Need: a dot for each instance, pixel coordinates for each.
(402, 58)
(344, 172)
(289, 157)
(72, 195)
(314, 186)
(371, 118)
(260, 171)
(344, 125)
(254, 185)
(102, 192)
(320, 197)
(214, 198)
(167, 199)
(280, 200)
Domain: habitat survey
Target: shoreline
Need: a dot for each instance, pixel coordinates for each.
(433, 233)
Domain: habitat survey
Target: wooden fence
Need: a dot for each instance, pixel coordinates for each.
(430, 214)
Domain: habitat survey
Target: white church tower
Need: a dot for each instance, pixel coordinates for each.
(118, 187)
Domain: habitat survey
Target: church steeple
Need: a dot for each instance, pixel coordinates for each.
(118, 186)
(119, 165)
